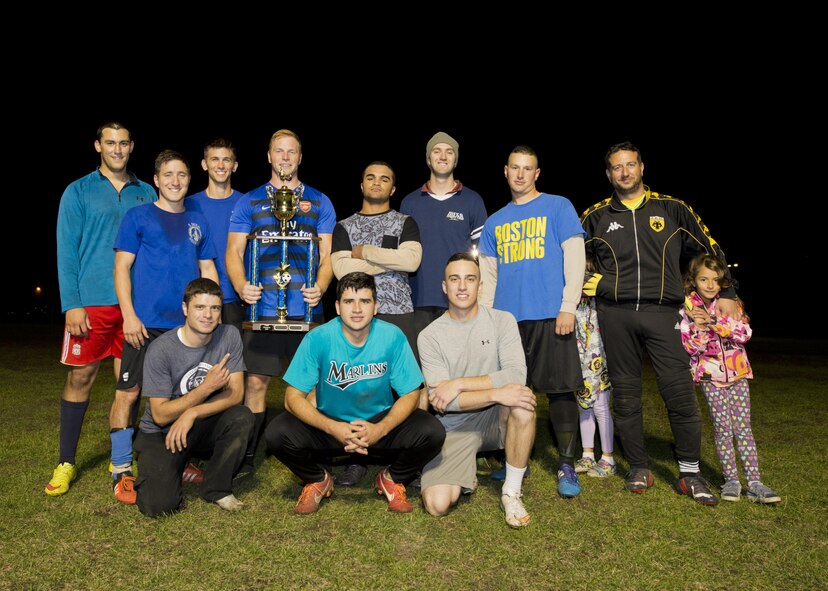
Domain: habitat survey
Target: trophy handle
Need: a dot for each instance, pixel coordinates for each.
(253, 274)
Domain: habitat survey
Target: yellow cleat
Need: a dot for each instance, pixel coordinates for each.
(61, 477)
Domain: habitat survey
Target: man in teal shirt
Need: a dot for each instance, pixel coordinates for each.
(354, 365)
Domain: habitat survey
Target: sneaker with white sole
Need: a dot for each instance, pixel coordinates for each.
(731, 491)
(759, 493)
(638, 480)
(602, 469)
(698, 489)
(516, 514)
(583, 465)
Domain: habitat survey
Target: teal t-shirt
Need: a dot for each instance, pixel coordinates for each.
(354, 382)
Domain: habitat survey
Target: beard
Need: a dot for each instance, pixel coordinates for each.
(632, 190)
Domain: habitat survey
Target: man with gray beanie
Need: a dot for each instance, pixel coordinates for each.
(450, 217)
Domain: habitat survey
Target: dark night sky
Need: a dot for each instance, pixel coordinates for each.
(701, 143)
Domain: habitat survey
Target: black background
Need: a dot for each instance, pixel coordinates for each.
(713, 131)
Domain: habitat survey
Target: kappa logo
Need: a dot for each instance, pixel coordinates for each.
(614, 226)
(657, 223)
(485, 342)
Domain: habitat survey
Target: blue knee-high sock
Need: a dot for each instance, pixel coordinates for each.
(71, 421)
(121, 447)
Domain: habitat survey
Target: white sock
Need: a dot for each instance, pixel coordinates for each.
(589, 454)
(608, 459)
(690, 467)
(514, 478)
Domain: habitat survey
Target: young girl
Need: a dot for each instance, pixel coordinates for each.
(720, 366)
(594, 399)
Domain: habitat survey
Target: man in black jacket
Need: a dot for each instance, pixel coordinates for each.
(639, 240)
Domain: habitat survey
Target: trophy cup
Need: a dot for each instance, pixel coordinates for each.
(284, 203)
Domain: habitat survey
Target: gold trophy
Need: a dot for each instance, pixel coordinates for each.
(284, 203)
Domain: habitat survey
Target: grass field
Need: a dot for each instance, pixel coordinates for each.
(606, 538)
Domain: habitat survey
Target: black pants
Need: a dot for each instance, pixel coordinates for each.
(223, 435)
(627, 333)
(305, 449)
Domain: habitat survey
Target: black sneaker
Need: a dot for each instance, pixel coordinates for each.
(352, 475)
(698, 489)
(638, 480)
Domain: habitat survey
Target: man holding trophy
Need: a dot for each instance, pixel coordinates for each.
(285, 277)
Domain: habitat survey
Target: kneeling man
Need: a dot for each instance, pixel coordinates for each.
(475, 373)
(194, 385)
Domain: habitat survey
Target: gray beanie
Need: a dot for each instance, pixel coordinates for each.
(441, 137)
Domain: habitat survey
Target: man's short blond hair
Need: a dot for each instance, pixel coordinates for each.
(285, 132)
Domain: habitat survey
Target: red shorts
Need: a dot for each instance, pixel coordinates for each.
(105, 338)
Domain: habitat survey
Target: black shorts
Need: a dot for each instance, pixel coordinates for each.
(233, 313)
(552, 362)
(264, 351)
(132, 361)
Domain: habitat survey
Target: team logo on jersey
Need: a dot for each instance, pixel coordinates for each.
(657, 223)
(341, 376)
(76, 350)
(193, 378)
(455, 216)
(305, 206)
(194, 232)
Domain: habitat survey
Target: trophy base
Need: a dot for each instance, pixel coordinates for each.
(273, 326)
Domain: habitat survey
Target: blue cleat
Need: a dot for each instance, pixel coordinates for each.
(568, 485)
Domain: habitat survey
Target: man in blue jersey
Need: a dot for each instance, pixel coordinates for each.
(216, 202)
(315, 217)
(355, 364)
(532, 265)
(159, 249)
(91, 210)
